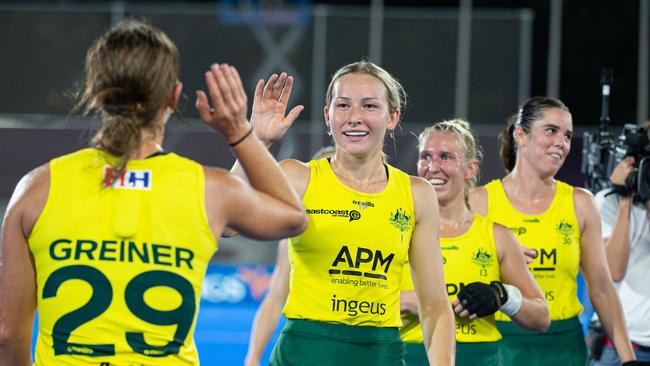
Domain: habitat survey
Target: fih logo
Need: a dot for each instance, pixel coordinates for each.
(352, 215)
(483, 259)
(128, 179)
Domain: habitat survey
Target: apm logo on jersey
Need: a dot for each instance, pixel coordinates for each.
(128, 179)
(366, 263)
(352, 215)
(483, 259)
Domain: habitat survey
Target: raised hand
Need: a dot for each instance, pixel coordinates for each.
(269, 107)
(229, 101)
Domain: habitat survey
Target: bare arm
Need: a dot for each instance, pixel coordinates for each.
(266, 317)
(425, 257)
(17, 272)
(599, 282)
(533, 314)
(617, 245)
(272, 201)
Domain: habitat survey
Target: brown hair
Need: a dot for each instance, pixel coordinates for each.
(531, 110)
(130, 72)
(466, 141)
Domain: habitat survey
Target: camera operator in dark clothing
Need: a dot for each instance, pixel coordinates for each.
(625, 218)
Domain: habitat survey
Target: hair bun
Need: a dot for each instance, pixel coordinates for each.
(121, 101)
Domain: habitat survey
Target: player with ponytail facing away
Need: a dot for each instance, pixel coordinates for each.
(485, 270)
(111, 243)
(559, 222)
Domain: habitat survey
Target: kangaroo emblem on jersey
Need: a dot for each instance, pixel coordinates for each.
(400, 220)
(483, 259)
(565, 230)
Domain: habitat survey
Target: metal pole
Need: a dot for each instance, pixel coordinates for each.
(525, 54)
(554, 50)
(318, 77)
(463, 53)
(376, 36)
(644, 43)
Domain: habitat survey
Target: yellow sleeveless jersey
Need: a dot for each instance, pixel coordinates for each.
(470, 257)
(555, 235)
(346, 267)
(119, 267)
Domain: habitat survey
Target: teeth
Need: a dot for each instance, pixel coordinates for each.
(437, 181)
(355, 133)
(556, 155)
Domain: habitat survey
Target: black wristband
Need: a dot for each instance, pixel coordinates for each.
(242, 138)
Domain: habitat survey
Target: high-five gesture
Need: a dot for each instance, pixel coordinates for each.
(229, 101)
(269, 108)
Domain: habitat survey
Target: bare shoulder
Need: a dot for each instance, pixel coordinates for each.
(425, 200)
(29, 197)
(298, 174)
(501, 231)
(585, 204)
(421, 188)
(583, 200)
(478, 200)
(215, 178)
(582, 195)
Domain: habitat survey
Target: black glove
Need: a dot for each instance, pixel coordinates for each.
(483, 299)
(635, 363)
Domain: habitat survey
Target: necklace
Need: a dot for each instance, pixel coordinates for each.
(375, 178)
(456, 224)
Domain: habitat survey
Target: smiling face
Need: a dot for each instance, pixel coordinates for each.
(359, 114)
(548, 143)
(444, 164)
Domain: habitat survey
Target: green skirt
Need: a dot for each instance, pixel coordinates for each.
(311, 343)
(562, 344)
(467, 354)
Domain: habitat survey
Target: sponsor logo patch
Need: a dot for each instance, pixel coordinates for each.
(129, 179)
(351, 215)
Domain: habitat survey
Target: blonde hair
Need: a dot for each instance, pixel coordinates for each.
(466, 141)
(324, 152)
(395, 93)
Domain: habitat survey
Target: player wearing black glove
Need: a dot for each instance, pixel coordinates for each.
(481, 299)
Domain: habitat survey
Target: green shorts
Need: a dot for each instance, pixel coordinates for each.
(562, 344)
(311, 343)
(467, 354)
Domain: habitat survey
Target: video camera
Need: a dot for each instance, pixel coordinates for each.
(602, 152)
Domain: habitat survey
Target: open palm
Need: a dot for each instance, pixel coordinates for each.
(269, 107)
